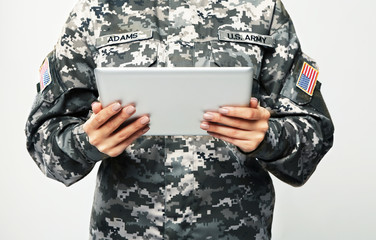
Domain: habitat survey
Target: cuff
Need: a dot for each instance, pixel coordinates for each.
(88, 150)
(271, 148)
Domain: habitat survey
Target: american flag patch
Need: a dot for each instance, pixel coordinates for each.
(45, 76)
(307, 79)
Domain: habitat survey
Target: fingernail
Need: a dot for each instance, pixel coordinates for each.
(145, 120)
(116, 107)
(254, 99)
(208, 116)
(130, 110)
(145, 130)
(223, 110)
(204, 126)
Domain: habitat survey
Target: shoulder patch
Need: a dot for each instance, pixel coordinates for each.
(45, 75)
(307, 79)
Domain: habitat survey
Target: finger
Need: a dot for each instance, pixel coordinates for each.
(239, 123)
(126, 132)
(245, 112)
(96, 107)
(117, 150)
(115, 122)
(104, 115)
(229, 121)
(122, 135)
(225, 130)
(234, 141)
(253, 103)
(245, 146)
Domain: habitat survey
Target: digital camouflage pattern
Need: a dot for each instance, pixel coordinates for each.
(181, 187)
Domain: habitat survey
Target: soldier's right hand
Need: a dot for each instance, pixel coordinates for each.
(103, 128)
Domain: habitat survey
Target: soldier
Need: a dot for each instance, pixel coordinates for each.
(180, 187)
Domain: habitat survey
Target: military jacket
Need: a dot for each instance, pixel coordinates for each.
(180, 187)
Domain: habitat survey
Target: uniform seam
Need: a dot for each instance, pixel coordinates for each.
(272, 19)
(165, 192)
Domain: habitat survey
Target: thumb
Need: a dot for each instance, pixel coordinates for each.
(253, 103)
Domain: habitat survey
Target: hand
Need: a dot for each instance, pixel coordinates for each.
(245, 127)
(103, 128)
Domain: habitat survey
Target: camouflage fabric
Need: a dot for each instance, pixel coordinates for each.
(180, 187)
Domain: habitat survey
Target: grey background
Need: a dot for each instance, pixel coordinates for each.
(338, 201)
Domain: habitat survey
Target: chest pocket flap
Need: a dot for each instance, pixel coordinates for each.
(129, 49)
(240, 47)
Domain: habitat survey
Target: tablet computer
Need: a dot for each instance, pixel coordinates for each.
(175, 98)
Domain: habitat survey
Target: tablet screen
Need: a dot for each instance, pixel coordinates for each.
(175, 98)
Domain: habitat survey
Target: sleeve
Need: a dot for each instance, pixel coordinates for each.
(54, 134)
(300, 128)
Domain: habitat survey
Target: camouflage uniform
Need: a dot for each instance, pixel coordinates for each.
(180, 187)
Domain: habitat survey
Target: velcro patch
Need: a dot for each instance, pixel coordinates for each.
(246, 37)
(307, 79)
(45, 75)
(123, 38)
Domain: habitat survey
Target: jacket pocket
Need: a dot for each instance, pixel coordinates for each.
(53, 84)
(296, 92)
(239, 47)
(133, 49)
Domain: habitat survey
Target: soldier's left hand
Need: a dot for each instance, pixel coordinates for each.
(245, 127)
